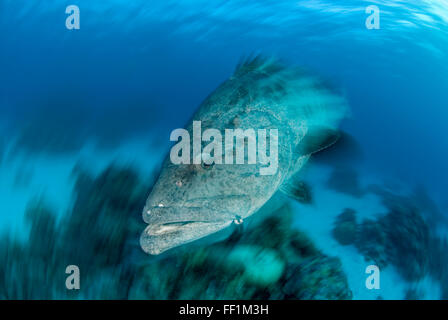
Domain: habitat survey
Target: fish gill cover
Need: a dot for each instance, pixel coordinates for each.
(86, 116)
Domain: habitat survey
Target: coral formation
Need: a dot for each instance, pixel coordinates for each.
(345, 227)
(418, 199)
(401, 237)
(413, 294)
(27, 269)
(264, 262)
(316, 278)
(95, 236)
(269, 260)
(371, 241)
(408, 242)
(413, 245)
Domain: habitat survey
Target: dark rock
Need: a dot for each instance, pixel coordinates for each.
(107, 206)
(408, 243)
(100, 235)
(371, 241)
(32, 270)
(316, 278)
(413, 294)
(400, 238)
(345, 227)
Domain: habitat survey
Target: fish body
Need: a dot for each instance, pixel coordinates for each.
(191, 201)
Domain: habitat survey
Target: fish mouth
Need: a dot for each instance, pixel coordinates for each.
(207, 209)
(158, 238)
(172, 226)
(181, 215)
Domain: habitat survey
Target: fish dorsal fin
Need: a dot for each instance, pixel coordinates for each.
(297, 189)
(317, 139)
(258, 64)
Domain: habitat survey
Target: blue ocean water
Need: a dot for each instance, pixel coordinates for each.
(114, 89)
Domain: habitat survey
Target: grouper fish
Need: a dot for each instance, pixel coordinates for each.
(192, 201)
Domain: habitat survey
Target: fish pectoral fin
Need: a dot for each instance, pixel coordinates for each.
(317, 139)
(297, 189)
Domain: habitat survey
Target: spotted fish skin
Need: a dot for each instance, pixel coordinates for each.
(191, 201)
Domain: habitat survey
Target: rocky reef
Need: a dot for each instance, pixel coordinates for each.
(95, 236)
(413, 294)
(371, 242)
(268, 260)
(408, 243)
(401, 237)
(28, 268)
(345, 227)
(316, 278)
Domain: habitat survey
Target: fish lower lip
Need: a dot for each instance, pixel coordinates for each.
(158, 238)
(171, 228)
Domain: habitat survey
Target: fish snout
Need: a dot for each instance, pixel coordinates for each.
(156, 239)
(174, 225)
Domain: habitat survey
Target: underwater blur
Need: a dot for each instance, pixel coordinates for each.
(91, 90)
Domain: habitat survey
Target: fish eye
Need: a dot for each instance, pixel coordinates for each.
(205, 163)
(179, 183)
(207, 166)
(238, 220)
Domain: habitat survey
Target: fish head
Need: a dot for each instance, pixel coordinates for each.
(191, 201)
